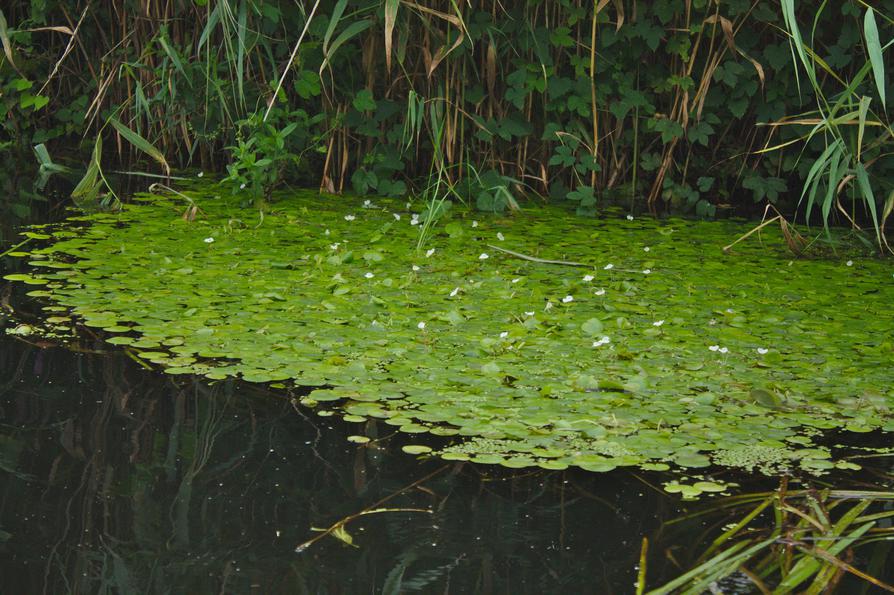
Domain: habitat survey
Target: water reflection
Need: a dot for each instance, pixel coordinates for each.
(119, 479)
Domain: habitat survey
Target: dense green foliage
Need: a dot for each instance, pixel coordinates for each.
(653, 348)
(610, 101)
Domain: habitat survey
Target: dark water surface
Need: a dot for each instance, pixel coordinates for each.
(118, 479)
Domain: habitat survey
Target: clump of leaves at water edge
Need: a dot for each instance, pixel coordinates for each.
(266, 149)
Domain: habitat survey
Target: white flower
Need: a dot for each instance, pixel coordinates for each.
(420, 326)
(609, 267)
(730, 311)
(588, 278)
(369, 275)
(415, 268)
(474, 223)
(367, 203)
(724, 350)
(714, 348)
(516, 280)
(762, 350)
(548, 306)
(483, 256)
(326, 233)
(602, 341)
(529, 313)
(409, 204)
(850, 263)
(658, 323)
(600, 291)
(334, 246)
(414, 220)
(242, 186)
(567, 298)
(454, 292)
(646, 248)
(500, 236)
(200, 174)
(397, 216)
(712, 322)
(350, 217)
(504, 334)
(630, 217)
(429, 252)
(647, 271)
(209, 240)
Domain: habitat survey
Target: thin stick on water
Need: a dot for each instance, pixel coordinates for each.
(758, 228)
(373, 509)
(540, 260)
(291, 59)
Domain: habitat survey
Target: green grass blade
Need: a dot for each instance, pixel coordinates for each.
(714, 568)
(140, 143)
(333, 23)
(808, 566)
(791, 22)
(208, 29)
(811, 183)
(869, 197)
(350, 31)
(240, 51)
(172, 54)
(861, 126)
(874, 48)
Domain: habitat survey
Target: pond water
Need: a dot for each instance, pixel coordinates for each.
(117, 479)
(120, 478)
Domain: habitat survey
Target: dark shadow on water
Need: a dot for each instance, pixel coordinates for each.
(118, 479)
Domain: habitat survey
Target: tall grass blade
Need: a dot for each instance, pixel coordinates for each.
(791, 22)
(869, 197)
(4, 39)
(172, 54)
(861, 127)
(140, 143)
(240, 51)
(391, 7)
(874, 48)
(714, 569)
(350, 32)
(807, 567)
(333, 23)
(811, 183)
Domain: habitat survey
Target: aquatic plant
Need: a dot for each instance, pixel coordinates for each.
(523, 341)
(786, 541)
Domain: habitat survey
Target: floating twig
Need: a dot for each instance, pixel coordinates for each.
(540, 260)
(373, 509)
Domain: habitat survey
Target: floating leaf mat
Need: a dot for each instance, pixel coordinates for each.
(663, 351)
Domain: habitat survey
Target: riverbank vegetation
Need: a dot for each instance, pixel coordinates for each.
(691, 107)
